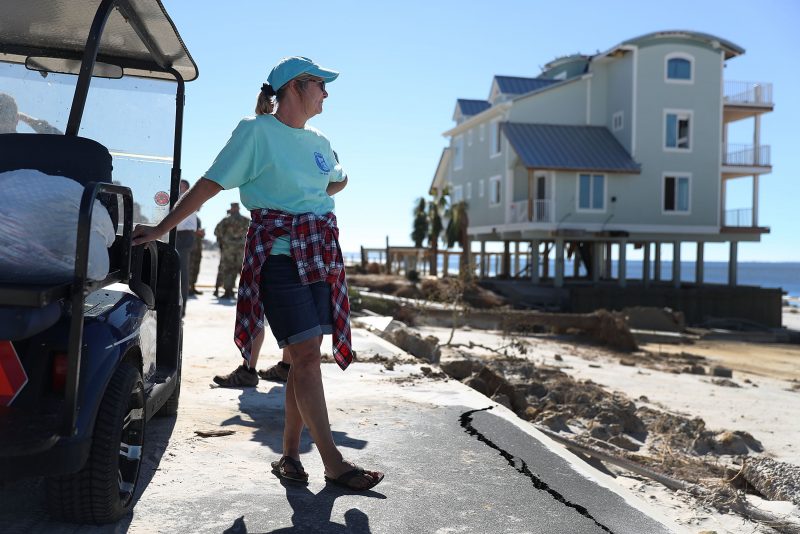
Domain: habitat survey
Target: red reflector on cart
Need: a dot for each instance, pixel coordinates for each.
(12, 374)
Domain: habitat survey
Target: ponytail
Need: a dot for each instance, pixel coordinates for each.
(265, 103)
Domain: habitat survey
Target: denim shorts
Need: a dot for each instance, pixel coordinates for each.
(295, 312)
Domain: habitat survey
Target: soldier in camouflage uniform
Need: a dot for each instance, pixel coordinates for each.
(231, 232)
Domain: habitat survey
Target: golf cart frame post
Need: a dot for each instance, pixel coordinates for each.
(79, 291)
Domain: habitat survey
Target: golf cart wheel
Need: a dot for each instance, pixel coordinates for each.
(103, 491)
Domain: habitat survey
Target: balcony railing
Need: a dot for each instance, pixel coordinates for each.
(746, 155)
(542, 211)
(748, 93)
(742, 218)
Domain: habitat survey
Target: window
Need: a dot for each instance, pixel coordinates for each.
(482, 130)
(679, 68)
(617, 120)
(468, 195)
(677, 132)
(676, 194)
(591, 192)
(494, 190)
(480, 188)
(469, 138)
(458, 194)
(561, 75)
(495, 140)
(458, 152)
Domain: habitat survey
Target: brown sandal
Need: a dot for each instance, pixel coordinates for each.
(346, 479)
(297, 473)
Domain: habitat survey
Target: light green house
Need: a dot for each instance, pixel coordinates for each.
(626, 148)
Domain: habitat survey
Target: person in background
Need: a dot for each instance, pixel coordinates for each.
(218, 281)
(10, 117)
(196, 257)
(230, 233)
(184, 242)
(293, 271)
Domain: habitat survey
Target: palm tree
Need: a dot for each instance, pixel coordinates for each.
(420, 223)
(457, 233)
(436, 208)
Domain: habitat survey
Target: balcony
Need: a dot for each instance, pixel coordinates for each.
(739, 218)
(745, 160)
(523, 211)
(746, 99)
(743, 220)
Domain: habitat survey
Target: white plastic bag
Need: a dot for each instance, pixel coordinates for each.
(39, 228)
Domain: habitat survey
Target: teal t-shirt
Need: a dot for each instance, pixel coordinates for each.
(278, 167)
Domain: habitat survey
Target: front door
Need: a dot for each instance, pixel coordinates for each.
(540, 205)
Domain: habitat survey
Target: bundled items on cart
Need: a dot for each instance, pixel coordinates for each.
(38, 229)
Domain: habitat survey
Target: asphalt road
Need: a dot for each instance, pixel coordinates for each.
(452, 466)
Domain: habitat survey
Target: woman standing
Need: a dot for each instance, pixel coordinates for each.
(293, 270)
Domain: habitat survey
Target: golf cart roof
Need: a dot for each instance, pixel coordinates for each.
(138, 36)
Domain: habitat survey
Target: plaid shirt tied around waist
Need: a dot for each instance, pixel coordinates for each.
(314, 245)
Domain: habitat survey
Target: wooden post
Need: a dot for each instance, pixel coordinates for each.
(646, 266)
(676, 264)
(446, 265)
(516, 259)
(559, 281)
(534, 263)
(546, 261)
(363, 257)
(657, 273)
(483, 260)
(623, 263)
(698, 264)
(506, 258)
(732, 263)
(576, 263)
(388, 257)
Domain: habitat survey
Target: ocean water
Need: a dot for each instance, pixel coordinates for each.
(783, 275)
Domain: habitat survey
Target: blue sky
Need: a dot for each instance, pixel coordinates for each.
(404, 64)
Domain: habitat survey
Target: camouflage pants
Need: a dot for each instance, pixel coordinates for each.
(194, 261)
(230, 265)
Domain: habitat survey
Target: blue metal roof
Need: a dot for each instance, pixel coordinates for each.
(472, 107)
(562, 147)
(515, 85)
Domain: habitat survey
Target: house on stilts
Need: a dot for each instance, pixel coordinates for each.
(602, 154)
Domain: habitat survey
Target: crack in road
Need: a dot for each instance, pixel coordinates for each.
(539, 484)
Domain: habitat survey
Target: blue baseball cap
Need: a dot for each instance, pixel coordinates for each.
(292, 67)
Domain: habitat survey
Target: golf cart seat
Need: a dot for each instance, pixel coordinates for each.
(77, 158)
(84, 161)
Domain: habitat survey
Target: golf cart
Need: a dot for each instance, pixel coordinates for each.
(86, 361)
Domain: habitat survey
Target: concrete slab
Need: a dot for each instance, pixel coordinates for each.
(447, 470)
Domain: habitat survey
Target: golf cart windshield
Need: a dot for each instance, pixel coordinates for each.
(126, 59)
(133, 117)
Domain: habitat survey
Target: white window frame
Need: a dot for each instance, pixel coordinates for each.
(469, 137)
(618, 121)
(482, 132)
(458, 194)
(458, 152)
(495, 139)
(591, 191)
(685, 113)
(495, 184)
(679, 55)
(480, 188)
(468, 191)
(676, 175)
